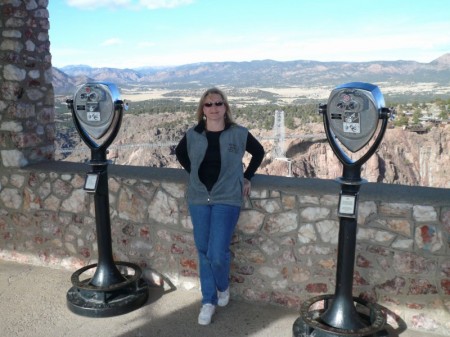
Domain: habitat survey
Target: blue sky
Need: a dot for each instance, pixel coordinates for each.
(136, 33)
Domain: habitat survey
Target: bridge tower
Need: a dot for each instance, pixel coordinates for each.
(279, 152)
(279, 136)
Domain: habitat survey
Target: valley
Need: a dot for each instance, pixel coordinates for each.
(162, 104)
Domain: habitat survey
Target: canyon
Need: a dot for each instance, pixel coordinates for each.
(404, 157)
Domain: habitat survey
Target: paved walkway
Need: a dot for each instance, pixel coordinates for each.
(33, 304)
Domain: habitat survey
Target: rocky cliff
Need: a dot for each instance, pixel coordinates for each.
(404, 157)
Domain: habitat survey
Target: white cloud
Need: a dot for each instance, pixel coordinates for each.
(131, 4)
(155, 4)
(92, 4)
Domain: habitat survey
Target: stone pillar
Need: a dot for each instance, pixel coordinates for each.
(27, 128)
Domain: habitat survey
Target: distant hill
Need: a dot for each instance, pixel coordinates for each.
(64, 83)
(263, 73)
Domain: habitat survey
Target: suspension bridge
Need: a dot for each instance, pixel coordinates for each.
(278, 137)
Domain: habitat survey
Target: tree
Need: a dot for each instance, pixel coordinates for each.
(416, 115)
(443, 115)
(402, 120)
(289, 122)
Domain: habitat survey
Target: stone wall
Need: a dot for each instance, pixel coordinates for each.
(284, 249)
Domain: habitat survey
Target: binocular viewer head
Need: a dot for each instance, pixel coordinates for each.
(353, 115)
(353, 112)
(95, 106)
(97, 113)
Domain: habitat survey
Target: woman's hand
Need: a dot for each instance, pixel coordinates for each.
(247, 187)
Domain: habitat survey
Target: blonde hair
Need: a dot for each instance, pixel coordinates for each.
(199, 114)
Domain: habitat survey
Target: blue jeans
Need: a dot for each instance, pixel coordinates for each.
(213, 229)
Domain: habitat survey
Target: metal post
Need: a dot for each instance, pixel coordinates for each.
(342, 313)
(106, 272)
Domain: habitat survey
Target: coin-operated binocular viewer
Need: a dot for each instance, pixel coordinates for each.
(355, 121)
(97, 113)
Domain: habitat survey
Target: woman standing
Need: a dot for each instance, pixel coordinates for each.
(211, 152)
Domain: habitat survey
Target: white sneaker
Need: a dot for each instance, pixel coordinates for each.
(223, 297)
(206, 313)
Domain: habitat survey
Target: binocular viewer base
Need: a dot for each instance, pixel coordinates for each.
(309, 324)
(86, 299)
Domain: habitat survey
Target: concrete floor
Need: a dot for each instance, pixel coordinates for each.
(33, 304)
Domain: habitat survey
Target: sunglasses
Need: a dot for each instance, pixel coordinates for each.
(208, 105)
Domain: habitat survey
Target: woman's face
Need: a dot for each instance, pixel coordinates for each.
(214, 107)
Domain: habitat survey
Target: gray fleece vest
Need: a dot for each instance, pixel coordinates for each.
(228, 188)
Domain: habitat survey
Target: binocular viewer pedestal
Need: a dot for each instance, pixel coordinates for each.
(116, 287)
(342, 314)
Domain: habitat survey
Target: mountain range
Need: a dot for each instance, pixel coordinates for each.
(262, 73)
